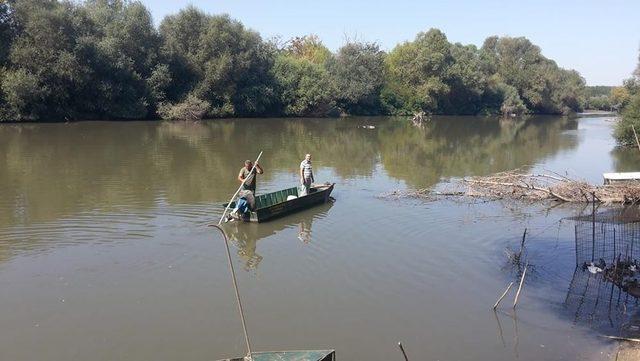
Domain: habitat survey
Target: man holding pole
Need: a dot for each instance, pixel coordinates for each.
(247, 175)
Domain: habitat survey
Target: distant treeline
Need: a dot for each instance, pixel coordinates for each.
(610, 98)
(104, 59)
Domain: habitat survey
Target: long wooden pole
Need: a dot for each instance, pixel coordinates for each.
(239, 188)
(235, 287)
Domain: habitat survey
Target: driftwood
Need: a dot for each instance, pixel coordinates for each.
(523, 186)
(519, 185)
(618, 338)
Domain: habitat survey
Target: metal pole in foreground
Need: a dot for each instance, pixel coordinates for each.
(238, 191)
(235, 287)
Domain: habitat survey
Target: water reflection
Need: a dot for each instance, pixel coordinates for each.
(49, 171)
(245, 236)
(449, 147)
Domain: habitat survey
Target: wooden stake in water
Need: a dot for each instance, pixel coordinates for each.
(515, 301)
(503, 294)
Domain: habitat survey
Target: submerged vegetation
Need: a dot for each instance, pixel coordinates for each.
(104, 59)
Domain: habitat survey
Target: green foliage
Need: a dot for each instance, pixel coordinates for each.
(7, 31)
(541, 84)
(512, 104)
(104, 59)
(305, 88)
(630, 116)
(415, 74)
(73, 61)
(466, 80)
(598, 90)
(600, 102)
(358, 72)
(621, 95)
(627, 98)
(216, 59)
(309, 47)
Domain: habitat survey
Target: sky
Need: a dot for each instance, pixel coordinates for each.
(600, 39)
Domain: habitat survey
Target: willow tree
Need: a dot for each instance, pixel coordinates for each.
(542, 86)
(358, 72)
(216, 59)
(78, 61)
(416, 73)
(303, 83)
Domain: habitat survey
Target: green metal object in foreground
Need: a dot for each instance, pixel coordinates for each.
(314, 355)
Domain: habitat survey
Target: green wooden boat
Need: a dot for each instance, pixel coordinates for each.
(275, 204)
(315, 355)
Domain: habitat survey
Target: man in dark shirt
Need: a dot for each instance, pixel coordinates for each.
(250, 176)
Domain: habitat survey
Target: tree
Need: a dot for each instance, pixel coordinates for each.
(7, 31)
(217, 60)
(627, 99)
(358, 71)
(416, 72)
(465, 80)
(7, 35)
(623, 131)
(304, 86)
(540, 83)
(104, 59)
(309, 47)
(620, 97)
(72, 61)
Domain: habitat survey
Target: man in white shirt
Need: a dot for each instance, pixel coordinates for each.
(306, 174)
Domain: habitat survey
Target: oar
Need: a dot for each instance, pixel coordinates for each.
(239, 188)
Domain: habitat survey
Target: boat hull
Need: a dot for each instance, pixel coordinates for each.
(274, 205)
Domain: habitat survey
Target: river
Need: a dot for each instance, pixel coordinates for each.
(106, 253)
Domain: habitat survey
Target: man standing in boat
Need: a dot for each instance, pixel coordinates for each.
(306, 174)
(250, 176)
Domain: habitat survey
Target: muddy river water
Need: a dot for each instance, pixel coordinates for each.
(106, 253)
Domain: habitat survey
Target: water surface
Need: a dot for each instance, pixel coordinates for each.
(106, 253)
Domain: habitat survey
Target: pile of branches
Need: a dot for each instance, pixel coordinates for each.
(548, 186)
(521, 185)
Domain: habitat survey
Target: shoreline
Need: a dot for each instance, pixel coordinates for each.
(586, 113)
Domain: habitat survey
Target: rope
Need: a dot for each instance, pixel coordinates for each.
(235, 287)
